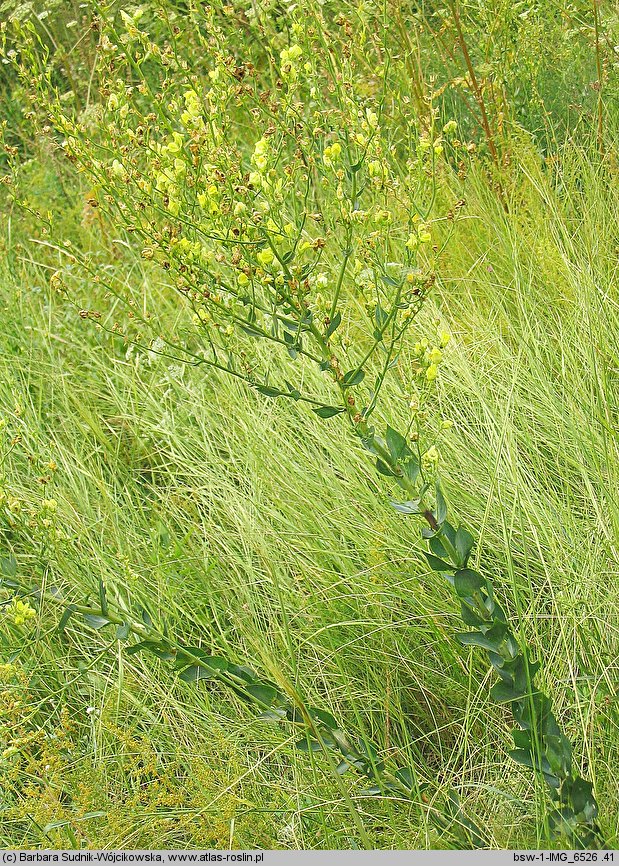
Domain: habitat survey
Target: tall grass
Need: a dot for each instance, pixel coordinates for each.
(262, 538)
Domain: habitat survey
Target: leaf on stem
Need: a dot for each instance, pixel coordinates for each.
(353, 377)
(327, 411)
(437, 564)
(464, 544)
(397, 445)
(467, 582)
(94, 620)
(334, 324)
(411, 507)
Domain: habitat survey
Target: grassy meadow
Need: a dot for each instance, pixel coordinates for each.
(258, 532)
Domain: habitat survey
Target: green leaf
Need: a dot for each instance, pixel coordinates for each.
(467, 582)
(522, 739)
(559, 754)
(264, 693)
(469, 617)
(411, 507)
(334, 324)
(476, 638)
(66, 616)
(406, 776)
(411, 469)
(583, 801)
(268, 391)
(384, 469)
(123, 631)
(371, 442)
(327, 411)
(293, 393)
(322, 716)
(55, 825)
(353, 377)
(464, 545)
(8, 565)
(449, 532)
(251, 332)
(243, 673)
(274, 714)
(157, 649)
(437, 564)
(437, 548)
(520, 756)
(292, 345)
(397, 445)
(503, 693)
(381, 317)
(204, 670)
(96, 621)
(441, 505)
(369, 749)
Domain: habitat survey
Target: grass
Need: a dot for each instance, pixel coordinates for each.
(247, 522)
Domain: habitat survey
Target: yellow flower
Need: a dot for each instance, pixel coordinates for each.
(265, 257)
(20, 611)
(176, 144)
(259, 156)
(431, 372)
(290, 54)
(332, 153)
(435, 356)
(423, 234)
(382, 216)
(431, 456)
(372, 118)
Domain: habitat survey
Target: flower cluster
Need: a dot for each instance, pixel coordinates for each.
(276, 213)
(20, 612)
(428, 357)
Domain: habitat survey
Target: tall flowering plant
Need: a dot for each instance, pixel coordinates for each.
(288, 198)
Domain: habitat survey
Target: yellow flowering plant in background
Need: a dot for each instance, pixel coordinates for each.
(276, 185)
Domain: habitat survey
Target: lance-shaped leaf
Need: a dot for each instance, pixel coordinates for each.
(467, 582)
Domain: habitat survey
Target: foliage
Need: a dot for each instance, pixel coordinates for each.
(291, 199)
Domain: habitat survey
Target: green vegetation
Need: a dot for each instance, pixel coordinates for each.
(289, 617)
